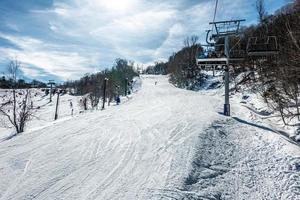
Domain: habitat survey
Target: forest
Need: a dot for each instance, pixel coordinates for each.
(118, 80)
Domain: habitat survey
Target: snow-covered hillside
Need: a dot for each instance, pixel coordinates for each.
(164, 143)
(44, 115)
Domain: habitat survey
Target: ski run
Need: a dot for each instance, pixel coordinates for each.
(159, 143)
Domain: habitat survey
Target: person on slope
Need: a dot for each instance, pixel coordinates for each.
(71, 106)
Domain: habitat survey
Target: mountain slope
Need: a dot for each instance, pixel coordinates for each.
(164, 143)
(124, 152)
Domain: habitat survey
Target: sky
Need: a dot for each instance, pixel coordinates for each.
(65, 39)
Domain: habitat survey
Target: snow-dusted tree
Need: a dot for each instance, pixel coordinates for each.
(17, 107)
(279, 74)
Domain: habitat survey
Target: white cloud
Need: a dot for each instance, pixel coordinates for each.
(48, 57)
(88, 33)
(132, 29)
(34, 73)
(13, 26)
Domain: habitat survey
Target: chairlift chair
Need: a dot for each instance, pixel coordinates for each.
(226, 28)
(221, 29)
(210, 58)
(261, 47)
(207, 51)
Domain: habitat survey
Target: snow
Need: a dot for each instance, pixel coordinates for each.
(161, 143)
(44, 116)
(235, 161)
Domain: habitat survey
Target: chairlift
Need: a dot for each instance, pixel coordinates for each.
(208, 52)
(216, 57)
(210, 57)
(266, 46)
(223, 30)
(226, 28)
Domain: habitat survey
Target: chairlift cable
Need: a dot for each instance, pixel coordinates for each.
(215, 13)
(212, 26)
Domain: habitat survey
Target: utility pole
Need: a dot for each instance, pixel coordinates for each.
(56, 109)
(51, 83)
(126, 84)
(227, 104)
(104, 92)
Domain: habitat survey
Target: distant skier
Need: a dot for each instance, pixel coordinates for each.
(118, 100)
(155, 82)
(71, 106)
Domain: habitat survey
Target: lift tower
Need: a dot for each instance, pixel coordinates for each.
(223, 31)
(51, 83)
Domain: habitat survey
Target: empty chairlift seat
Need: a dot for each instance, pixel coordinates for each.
(262, 46)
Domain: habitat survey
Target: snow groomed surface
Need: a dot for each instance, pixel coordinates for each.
(164, 143)
(124, 152)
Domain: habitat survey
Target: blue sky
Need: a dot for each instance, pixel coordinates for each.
(65, 39)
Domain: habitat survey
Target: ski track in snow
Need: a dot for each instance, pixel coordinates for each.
(123, 152)
(164, 143)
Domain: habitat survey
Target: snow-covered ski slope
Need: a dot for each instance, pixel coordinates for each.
(150, 147)
(124, 152)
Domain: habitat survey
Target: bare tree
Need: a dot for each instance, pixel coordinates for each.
(279, 74)
(261, 10)
(17, 109)
(83, 102)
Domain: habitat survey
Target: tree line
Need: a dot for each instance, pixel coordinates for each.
(90, 86)
(181, 65)
(6, 83)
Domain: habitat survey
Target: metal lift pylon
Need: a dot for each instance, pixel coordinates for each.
(223, 31)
